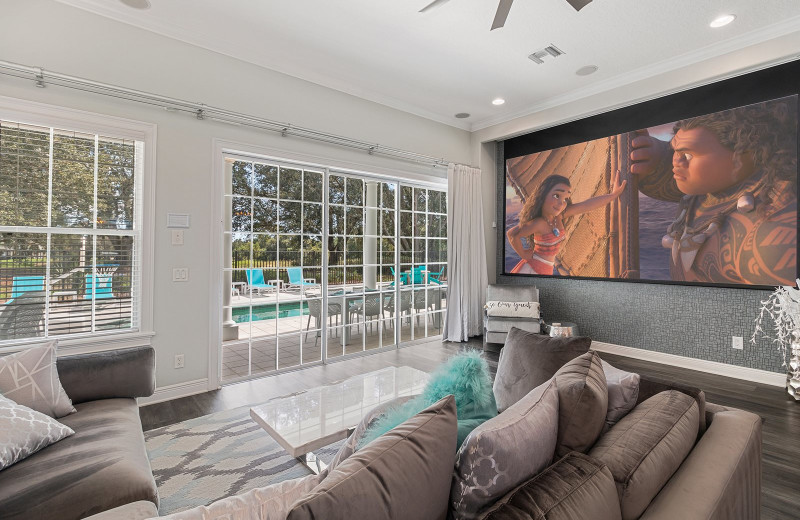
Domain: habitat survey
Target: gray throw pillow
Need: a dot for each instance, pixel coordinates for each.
(528, 360)
(623, 391)
(582, 403)
(23, 432)
(505, 451)
(405, 473)
(30, 378)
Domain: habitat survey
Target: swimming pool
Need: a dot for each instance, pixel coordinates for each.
(270, 312)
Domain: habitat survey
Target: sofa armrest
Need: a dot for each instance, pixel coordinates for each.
(141, 510)
(127, 372)
(721, 477)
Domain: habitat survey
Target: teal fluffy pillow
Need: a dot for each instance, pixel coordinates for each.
(466, 377)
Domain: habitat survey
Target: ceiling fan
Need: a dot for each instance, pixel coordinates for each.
(503, 9)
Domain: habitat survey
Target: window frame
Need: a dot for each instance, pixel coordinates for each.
(63, 118)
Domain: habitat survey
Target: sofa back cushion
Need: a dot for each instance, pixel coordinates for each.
(577, 486)
(404, 473)
(582, 403)
(646, 446)
(505, 451)
(528, 360)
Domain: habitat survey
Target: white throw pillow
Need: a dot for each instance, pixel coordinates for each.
(513, 309)
(23, 432)
(30, 378)
(623, 392)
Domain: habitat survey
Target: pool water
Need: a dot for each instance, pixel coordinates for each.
(270, 312)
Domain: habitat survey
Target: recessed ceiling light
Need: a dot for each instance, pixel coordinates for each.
(137, 4)
(723, 20)
(585, 71)
(498, 101)
(462, 115)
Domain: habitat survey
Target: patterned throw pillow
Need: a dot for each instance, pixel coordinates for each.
(505, 451)
(30, 378)
(23, 432)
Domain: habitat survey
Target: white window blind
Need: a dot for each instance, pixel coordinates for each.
(70, 232)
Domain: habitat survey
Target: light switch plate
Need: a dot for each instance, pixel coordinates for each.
(180, 274)
(177, 237)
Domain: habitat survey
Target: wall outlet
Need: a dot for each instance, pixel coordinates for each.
(180, 274)
(737, 343)
(179, 361)
(177, 237)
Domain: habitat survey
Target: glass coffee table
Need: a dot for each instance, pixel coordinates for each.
(311, 419)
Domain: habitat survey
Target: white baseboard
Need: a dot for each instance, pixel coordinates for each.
(169, 392)
(713, 367)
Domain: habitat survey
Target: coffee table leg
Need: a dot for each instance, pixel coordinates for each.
(312, 462)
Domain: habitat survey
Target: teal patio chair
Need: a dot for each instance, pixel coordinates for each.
(403, 277)
(103, 289)
(255, 281)
(417, 275)
(436, 277)
(296, 278)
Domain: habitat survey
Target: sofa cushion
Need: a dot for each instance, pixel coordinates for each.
(30, 378)
(505, 451)
(528, 360)
(646, 446)
(623, 392)
(569, 489)
(405, 473)
(582, 403)
(102, 466)
(650, 386)
(23, 432)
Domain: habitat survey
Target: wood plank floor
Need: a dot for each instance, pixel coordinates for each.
(781, 432)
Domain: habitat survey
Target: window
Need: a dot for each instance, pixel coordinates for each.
(71, 221)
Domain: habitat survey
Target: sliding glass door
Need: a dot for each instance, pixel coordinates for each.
(320, 264)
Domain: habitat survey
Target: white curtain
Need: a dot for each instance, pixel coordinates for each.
(466, 254)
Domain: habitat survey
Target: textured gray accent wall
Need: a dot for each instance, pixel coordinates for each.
(689, 321)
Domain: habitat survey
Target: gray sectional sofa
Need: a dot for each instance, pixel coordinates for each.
(673, 456)
(104, 464)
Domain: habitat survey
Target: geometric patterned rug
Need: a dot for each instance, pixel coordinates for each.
(223, 454)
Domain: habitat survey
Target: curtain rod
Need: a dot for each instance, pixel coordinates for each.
(202, 111)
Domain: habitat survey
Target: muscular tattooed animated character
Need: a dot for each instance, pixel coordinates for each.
(734, 175)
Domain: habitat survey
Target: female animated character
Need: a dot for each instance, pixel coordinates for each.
(542, 221)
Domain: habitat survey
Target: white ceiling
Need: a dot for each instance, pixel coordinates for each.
(446, 60)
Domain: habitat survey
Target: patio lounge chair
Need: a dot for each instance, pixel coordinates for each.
(255, 281)
(24, 318)
(418, 275)
(24, 284)
(296, 278)
(103, 289)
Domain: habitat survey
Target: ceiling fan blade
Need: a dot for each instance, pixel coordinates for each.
(579, 4)
(435, 3)
(502, 13)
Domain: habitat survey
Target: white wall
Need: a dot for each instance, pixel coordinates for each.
(483, 141)
(70, 41)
